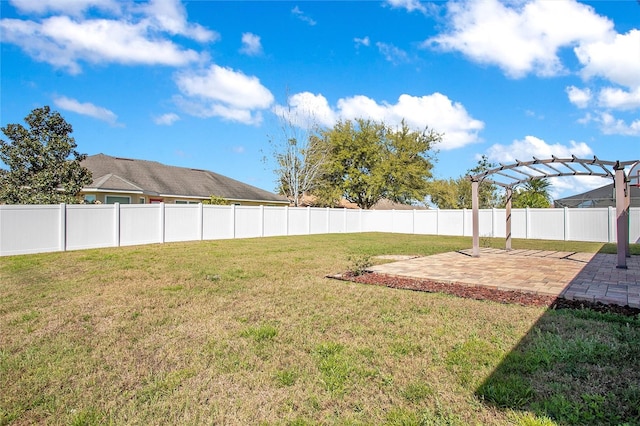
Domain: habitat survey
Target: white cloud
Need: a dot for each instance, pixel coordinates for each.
(303, 16)
(392, 53)
(531, 146)
(409, 5)
(518, 37)
(171, 16)
(223, 92)
(615, 98)
(306, 110)
(66, 42)
(362, 41)
(251, 44)
(579, 97)
(87, 109)
(614, 126)
(616, 59)
(610, 125)
(166, 119)
(238, 149)
(436, 111)
(70, 7)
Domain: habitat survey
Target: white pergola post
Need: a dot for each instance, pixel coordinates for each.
(475, 218)
(508, 213)
(622, 216)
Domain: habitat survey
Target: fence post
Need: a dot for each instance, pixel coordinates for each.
(116, 224)
(527, 222)
(610, 219)
(413, 221)
(309, 220)
(360, 219)
(261, 210)
(328, 221)
(161, 207)
(344, 221)
(566, 223)
(201, 221)
(493, 222)
(464, 219)
(63, 227)
(233, 221)
(286, 220)
(438, 221)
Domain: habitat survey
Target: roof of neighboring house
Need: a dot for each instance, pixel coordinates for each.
(599, 197)
(153, 178)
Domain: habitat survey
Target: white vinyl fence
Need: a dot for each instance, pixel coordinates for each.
(35, 229)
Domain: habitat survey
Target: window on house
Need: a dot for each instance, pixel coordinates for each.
(112, 199)
(89, 199)
(185, 202)
(141, 200)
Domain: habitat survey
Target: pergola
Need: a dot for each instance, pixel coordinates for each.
(510, 175)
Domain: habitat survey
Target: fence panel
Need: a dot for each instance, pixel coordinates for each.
(181, 222)
(402, 221)
(30, 229)
(336, 221)
(275, 221)
(586, 224)
(450, 221)
(141, 224)
(319, 221)
(426, 222)
(546, 224)
(248, 222)
(518, 223)
(217, 222)
(90, 226)
(353, 221)
(299, 221)
(485, 222)
(634, 225)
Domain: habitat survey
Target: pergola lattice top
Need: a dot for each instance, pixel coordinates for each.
(511, 175)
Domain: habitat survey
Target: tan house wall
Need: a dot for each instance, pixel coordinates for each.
(101, 197)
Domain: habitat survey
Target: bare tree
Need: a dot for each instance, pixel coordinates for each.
(298, 150)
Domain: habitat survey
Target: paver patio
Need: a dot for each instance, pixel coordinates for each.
(577, 276)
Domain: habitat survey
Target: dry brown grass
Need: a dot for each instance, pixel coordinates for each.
(244, 332)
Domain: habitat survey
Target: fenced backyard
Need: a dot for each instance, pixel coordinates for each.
(28, 229)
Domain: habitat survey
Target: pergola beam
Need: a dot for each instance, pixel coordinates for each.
(623, 199)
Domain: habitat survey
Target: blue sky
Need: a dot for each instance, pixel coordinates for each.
(197, 84)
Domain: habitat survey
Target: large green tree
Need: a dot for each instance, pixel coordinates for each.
(43, 164)
(533, 193)
(456, 193)
(367, 161)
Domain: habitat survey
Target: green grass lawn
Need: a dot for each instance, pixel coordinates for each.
(250, 332)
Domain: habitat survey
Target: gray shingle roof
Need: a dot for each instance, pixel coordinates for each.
(151, 177)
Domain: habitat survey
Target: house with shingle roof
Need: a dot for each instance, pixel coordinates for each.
(129, 181)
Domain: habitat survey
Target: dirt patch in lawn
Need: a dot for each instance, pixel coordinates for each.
(483, 293)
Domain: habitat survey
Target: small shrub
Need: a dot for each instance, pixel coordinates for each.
(359, 264)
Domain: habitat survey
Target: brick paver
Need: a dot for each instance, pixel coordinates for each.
(577, 276)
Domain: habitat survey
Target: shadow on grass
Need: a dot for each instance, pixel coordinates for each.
(574, 367)
(611, 248)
